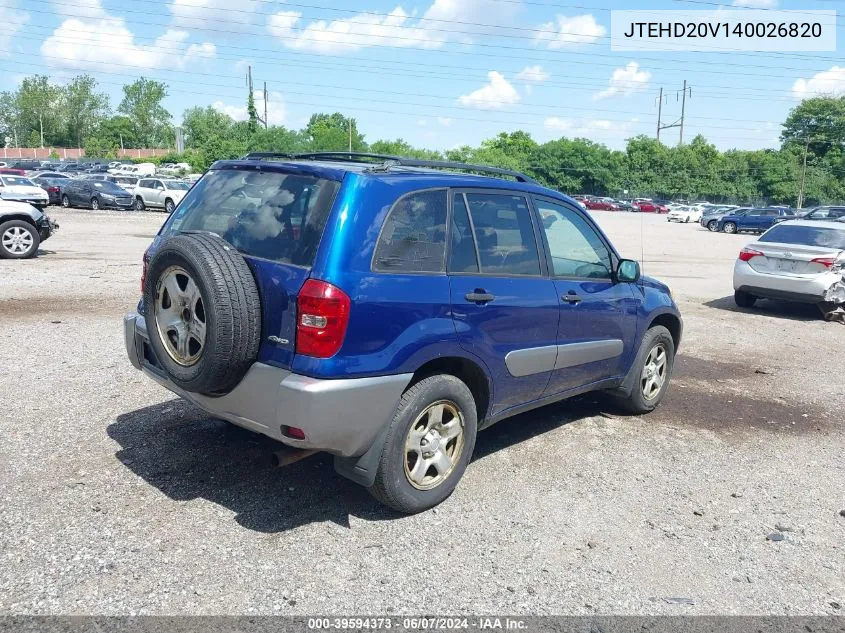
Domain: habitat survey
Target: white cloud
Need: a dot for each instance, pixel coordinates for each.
(531, 74)
(99, 39)
(397, 28)
(445, 121)
(828, 82)
(589, 128)
(276, 109)
(756, 4)
(200, 14)
(625, 81)
(12, 20)
(569, 32)
(496, 94)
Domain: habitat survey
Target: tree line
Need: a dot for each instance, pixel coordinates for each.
(812, 145)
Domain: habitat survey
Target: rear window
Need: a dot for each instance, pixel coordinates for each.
(264, 214)
(806, 235)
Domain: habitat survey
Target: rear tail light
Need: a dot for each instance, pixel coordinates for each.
(748, 253)
(323, 314)
(52, 189)
(827, 262)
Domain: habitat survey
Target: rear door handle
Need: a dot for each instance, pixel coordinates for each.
(479, 296)
(571, 298)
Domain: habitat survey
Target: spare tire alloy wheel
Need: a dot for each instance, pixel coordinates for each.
(203, 312)
(180, 316)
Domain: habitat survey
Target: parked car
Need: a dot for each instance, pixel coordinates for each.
(159, 193)
(684, 214)
(710, 218)
(800, 260)
(21, 189)
(26, 164)
(48, 174)
(752, 220)
(649, 206)
(53, 187)
(268, 303)
(22, 229)
(68, 168)
(141, 170)
(821, 213)
(11, 171)
(95, 194)
(600, 204)
(127, 182)
(98, 176)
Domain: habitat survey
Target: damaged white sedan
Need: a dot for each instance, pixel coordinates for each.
(797, 260)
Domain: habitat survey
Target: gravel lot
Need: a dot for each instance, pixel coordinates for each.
(117, 498)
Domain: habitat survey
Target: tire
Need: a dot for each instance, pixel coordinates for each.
(744, 300)
(18, 240)
(637, 401)
(687, 220)
(216, 334)
(139, 204)
(169, 206)
(95, 204)
(713, 226)
(393, 483)
(65, 201)
(730, 227)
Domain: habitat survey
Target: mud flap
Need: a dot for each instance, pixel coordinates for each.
(833, 306)
(362, 470)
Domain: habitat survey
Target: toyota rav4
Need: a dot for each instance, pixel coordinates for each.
(385, 310)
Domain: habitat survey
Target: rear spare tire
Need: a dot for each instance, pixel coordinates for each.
(203, 312)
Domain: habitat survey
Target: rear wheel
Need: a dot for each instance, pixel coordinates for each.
(18, 240)
(169, 206)
(713, 225)
(730, 227)
(95, 204)
(65, 202)
(744, 299)
(428, 446)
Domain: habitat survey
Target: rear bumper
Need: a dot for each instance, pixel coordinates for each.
(342, 416)
(783, 287)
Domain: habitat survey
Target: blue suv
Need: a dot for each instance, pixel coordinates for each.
(384, 310)
(753, 220)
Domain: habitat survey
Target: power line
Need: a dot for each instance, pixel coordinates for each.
(442, 50)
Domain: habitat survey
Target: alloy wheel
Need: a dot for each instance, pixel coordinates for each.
(16, 240)
(653, 376)
(434, 444)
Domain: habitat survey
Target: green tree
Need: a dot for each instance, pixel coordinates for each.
(10, 116)
(142, 104)
(84, 107)
(38, 102)
(400, 147)
(252, 114)
(331, 132)
(819, 121)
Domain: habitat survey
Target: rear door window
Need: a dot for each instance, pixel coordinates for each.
(267, 214)
(504, 234)
(413, 237)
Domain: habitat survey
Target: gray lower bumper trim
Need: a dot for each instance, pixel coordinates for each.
(343, 416)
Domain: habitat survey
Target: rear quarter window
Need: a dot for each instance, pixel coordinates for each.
(413, 237)
(267, 214)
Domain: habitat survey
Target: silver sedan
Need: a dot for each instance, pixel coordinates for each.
(798, 260)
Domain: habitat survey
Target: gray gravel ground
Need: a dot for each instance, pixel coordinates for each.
(117, 498)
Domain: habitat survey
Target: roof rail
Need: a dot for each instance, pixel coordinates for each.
(389, 161)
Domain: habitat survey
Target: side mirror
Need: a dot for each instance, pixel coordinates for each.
(628, 271)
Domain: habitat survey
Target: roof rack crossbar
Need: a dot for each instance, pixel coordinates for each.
(388, 161)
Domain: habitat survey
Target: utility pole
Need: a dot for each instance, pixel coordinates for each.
(803, 174)
(659, 111)
(680, 122)
(350, 135)
(265, 105)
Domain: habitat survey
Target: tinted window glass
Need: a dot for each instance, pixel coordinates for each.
(462, 257)
(504, 234)
(806, 235)
(265, 214)
(145, 184)
(575, 246)
(413, 238)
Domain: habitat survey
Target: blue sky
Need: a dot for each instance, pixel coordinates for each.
(438, 73)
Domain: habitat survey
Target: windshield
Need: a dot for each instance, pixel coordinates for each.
(17, 180)
(175, 184)
(271, 215)
(806, 235)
